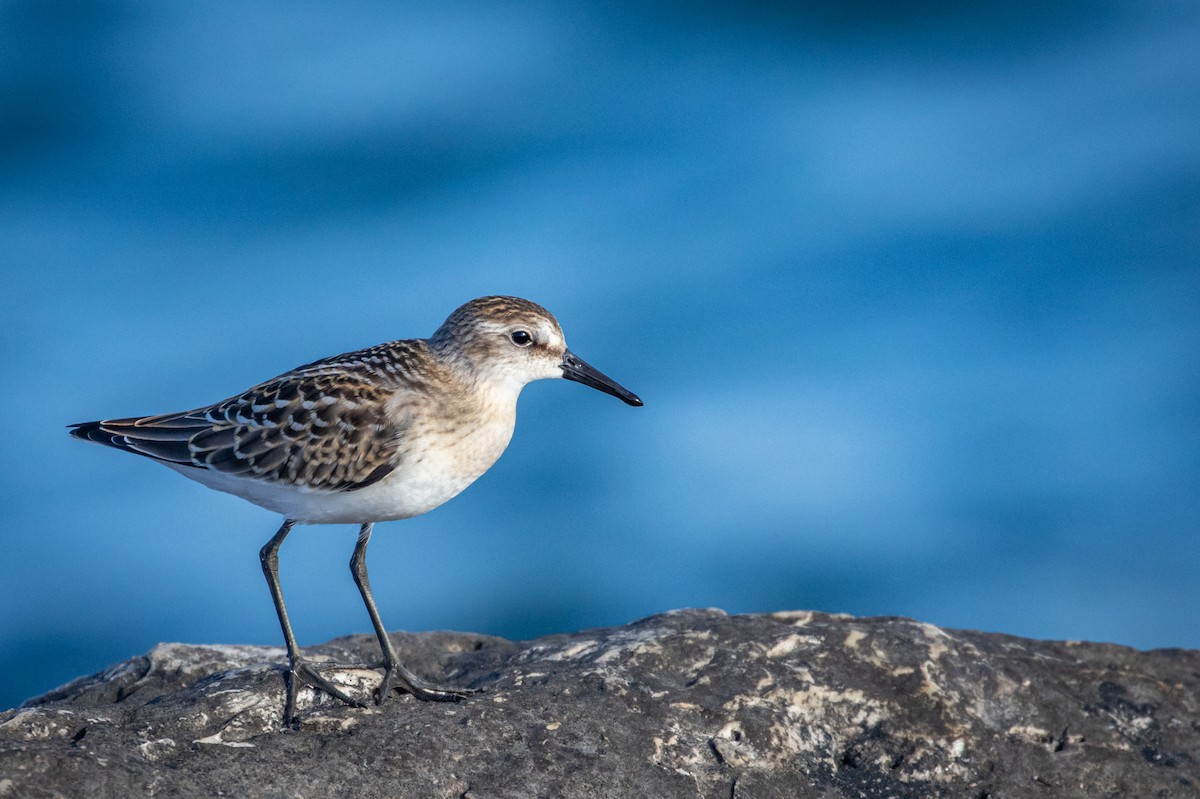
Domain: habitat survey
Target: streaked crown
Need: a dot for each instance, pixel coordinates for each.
(502, 339)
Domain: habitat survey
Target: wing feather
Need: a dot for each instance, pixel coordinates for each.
(324, 429)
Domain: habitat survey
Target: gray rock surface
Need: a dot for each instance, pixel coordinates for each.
(686, 704)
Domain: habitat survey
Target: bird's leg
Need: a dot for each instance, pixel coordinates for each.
(394, 673)
(298, 668)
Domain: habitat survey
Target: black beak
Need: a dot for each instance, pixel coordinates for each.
(575, 369)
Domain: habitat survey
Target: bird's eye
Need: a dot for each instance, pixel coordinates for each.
(521, 338)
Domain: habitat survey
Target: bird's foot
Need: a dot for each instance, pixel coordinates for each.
(400, 678)
(310, 674)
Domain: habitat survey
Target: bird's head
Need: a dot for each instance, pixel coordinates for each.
(508, 341)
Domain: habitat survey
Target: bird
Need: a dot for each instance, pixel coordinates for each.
(383, 433)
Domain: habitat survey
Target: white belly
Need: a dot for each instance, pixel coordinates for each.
(426, 477)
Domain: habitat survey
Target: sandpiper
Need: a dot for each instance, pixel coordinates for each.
(387, 432)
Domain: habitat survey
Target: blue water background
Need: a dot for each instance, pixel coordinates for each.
(911, 291)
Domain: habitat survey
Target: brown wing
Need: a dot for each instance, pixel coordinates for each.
(323, 429)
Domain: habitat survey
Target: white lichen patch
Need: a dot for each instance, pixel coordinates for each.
(701, 663)
(245, 712)
(192, 661)
(632, 644)
(682, 748)
(807, 718)
(41, 724)
(932, 673)
(802, 673)
(216, 740)
(789, 644)
(937, 638)
(808, 721)
(733, 747)
(929, 685)
(1030, 734)
(689, 706)
(802, 618)
(613, 658)
(245, 715)
(629, 649)
(519, 679)
(872, 654)
(570, 652)
(796, 618)
(326, 723)
(660, 748)
(458, 646)
(157, 749)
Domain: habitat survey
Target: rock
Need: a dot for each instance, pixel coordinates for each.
(686, 704)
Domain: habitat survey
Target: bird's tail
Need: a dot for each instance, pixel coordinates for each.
(163, 438)
(90, 431)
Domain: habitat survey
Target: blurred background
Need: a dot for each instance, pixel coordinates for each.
(911, 291)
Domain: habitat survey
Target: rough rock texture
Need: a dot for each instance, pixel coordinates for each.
(686, 704)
